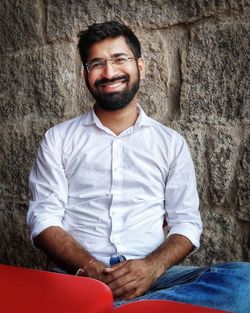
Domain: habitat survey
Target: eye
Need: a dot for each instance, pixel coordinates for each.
(97, 64)
(120, 60)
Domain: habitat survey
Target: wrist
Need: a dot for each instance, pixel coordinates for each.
(83, 270)
(95, 270)
(156, 264)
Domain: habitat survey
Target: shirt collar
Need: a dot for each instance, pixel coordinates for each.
(91, 118)
(143, 119)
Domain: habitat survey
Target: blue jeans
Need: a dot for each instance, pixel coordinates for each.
(223, 286)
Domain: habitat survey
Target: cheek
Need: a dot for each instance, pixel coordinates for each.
(90, 80)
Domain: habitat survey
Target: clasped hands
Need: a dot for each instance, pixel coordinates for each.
(128, 279)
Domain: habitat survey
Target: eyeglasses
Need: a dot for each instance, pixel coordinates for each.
(100, 64)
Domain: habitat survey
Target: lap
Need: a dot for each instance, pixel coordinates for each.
(224, 286)
(178, 275)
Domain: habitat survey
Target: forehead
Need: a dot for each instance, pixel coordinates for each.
(108, 47)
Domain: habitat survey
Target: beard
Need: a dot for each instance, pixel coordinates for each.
(113, 101)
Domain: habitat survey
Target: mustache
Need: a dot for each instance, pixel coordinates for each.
(112, 80)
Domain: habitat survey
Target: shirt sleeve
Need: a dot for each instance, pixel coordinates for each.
(48, 187)
(181, 197)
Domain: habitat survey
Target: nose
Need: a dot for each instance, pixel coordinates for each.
(109, 70)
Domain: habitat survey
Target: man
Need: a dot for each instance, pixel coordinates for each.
(104, 183)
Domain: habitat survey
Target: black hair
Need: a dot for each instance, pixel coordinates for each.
(100, 31)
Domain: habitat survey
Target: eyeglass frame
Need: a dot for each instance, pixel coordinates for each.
(111, 60)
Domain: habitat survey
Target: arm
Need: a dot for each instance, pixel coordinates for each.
(49, 196)
(62, 248)
(171, 252)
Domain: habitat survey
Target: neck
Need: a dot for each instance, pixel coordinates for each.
(118, 120)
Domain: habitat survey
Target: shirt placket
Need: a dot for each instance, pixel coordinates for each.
(116, 191)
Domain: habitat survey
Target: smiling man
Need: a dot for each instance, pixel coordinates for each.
(104, 184)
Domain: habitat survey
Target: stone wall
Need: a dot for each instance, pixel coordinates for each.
(197, 60)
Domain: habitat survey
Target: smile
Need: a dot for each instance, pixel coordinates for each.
(112, 86)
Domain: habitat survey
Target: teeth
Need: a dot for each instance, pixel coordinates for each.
(113, 85)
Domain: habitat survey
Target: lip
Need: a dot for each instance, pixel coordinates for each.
(114, 86)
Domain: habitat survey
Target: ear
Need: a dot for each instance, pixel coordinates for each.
(141, 67)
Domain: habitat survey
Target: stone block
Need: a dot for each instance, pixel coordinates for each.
(21, 25)
(39, 82)
(18, 147)
(241, 195)
(65, 21)
(245, 226)
(160, 90)
(221, 155)
(215, 85)
(15, 244)
(221, 240)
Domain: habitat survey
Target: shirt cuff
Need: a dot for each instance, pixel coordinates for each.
(41, 226)
(190, 231)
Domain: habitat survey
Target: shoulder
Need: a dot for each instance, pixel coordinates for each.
(65, 129)
(166, 132)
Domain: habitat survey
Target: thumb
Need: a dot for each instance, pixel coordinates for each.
(114, 267)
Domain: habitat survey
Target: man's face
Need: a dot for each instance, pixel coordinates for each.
(113, 86)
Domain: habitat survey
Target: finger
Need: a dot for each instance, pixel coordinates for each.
(137, 292)
(129, 296)
(123, 290)
(141, 286)
(121, 281)
(116, 274)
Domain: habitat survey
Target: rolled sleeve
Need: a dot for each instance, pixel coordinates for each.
(181, 197)
(48, 187)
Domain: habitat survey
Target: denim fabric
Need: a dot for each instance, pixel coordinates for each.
(223, 286)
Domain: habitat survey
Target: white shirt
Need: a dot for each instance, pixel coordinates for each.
(111, 193)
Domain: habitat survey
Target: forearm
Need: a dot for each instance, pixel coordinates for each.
(171, 252)
(64, 250)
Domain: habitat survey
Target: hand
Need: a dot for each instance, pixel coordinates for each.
(96, 270)
(130, 279)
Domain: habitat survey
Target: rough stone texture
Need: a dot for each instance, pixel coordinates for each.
(216, 87)
(161, 87)
(15, 247)
(197, 61)
(38, 82)
(65, 20)
(241, 189)
(18, 145)
(222, 154)
(222, 239)
(21, 25)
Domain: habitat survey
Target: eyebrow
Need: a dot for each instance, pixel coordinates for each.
(115, 55)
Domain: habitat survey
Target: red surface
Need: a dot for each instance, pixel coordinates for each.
(31, 291)
(160, 306)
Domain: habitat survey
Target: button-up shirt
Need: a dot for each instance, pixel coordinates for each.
(112, 193)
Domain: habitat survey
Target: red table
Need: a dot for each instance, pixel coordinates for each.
(25, 290)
